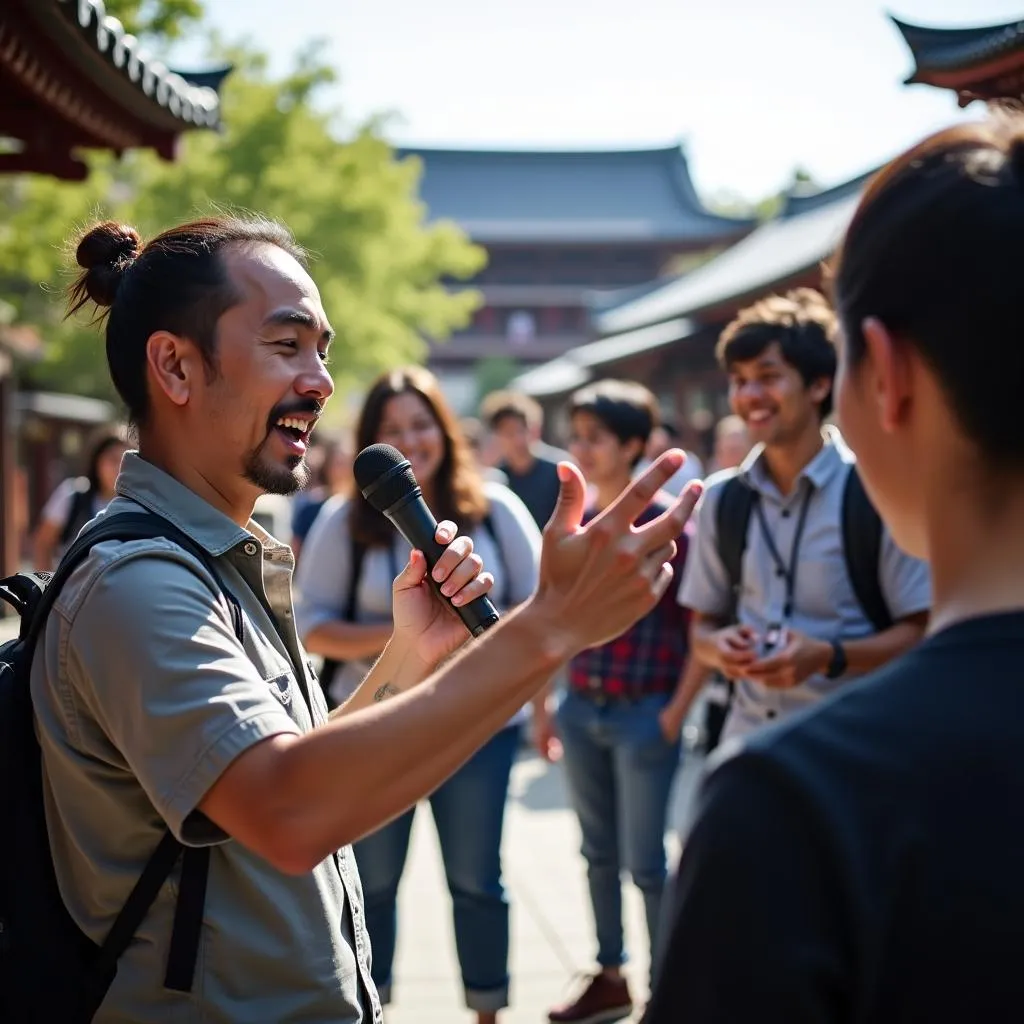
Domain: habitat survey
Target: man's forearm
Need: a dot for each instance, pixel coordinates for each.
(347, 641)
(871, 652)
(364, 768)
(691, 682)
(395, 671)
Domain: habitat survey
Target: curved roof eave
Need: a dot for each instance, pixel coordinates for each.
(777, 251)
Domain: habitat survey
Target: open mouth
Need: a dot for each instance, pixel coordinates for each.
(758, 417)
(295, 431)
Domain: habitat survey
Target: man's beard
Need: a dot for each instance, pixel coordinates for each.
(275, 479)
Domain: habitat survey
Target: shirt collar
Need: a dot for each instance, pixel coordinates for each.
(819, 471)
(211, 529)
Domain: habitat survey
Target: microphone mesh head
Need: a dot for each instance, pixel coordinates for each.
(384, 472)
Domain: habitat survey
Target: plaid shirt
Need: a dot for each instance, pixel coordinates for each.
(648, 658)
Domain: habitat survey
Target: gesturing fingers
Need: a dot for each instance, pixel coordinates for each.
(622, 512)
(672, 521)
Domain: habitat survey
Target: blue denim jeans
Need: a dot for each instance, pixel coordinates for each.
(620, 770)
(469, 811)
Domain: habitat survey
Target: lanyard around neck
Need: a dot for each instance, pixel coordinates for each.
(787, 572)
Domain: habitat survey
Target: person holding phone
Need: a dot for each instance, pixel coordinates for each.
(786, 600)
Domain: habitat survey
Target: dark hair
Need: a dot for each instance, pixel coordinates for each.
(177, 282)
(933, 251)
(803, 324)
(626, 408)
(503, 405)
(458, 487)
(100, 442)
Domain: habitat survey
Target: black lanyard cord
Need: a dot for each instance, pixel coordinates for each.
(788, 573)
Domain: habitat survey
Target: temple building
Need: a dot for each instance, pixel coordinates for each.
(565, 233)
(72, 79)
(666, 338)
(985, 63)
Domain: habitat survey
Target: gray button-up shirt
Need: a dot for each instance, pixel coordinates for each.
(824, 603)
(143, 697)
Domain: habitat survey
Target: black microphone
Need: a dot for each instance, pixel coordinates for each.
(387, 481)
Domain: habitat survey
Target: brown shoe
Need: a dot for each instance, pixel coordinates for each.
(603, 1000)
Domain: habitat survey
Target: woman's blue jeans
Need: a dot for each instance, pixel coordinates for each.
(469, 811)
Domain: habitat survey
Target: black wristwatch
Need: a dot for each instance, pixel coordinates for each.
(837, 666)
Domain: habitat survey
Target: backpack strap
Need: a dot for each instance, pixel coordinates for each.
(358, 553)
(188, 915)
(492, 530)
(862, 549)
(331, 666)
(732, 520)
(78, 510)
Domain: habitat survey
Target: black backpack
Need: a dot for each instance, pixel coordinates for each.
(49, 970)
(862, 542)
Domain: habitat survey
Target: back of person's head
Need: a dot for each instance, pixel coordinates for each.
(626, 409)
(499, 406)
(801, 322)
(934, 253)
(177, 283)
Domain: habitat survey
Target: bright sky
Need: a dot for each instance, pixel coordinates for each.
(752, 87)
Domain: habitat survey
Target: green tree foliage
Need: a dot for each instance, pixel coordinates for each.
(380, 269)
(159, 19)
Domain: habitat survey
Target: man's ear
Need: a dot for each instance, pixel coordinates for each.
(173, 362)
(819, 389)
(635, 449)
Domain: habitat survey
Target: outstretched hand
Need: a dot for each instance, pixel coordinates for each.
(597, 580)
(424, 622)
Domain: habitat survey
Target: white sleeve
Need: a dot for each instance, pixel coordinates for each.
(58, 505)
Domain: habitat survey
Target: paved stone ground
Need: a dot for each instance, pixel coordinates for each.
(551, 923)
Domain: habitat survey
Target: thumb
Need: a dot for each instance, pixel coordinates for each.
(413, 574)
(572, 497)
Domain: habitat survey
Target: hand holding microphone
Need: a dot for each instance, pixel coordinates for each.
(387, 482)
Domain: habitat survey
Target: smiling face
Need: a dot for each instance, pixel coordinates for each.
(771, 398)
(409, 424)
(255, 410)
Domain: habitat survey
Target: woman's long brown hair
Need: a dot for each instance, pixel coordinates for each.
(458, 486)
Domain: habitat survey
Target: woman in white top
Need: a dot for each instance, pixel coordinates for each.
(78, 499)
(349, 561)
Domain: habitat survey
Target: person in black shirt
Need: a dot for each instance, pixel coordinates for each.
(861, 862)
(529, 465)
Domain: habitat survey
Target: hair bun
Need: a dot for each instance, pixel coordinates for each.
(105, 252)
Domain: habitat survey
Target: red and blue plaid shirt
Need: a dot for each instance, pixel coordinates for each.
(648, 658)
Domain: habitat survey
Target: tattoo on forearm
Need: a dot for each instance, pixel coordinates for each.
(385, 691)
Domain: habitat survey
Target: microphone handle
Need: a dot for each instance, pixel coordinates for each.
(416, 523)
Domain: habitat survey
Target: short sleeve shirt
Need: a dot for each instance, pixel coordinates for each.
(824, 604)
(143, 696)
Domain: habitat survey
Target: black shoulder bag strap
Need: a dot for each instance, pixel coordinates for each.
(79, 511)
(188, 914)
(331, 666)
(506, 590)
(862, 549)
(732, 520)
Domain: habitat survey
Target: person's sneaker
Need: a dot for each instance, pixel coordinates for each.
(602, 1000)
